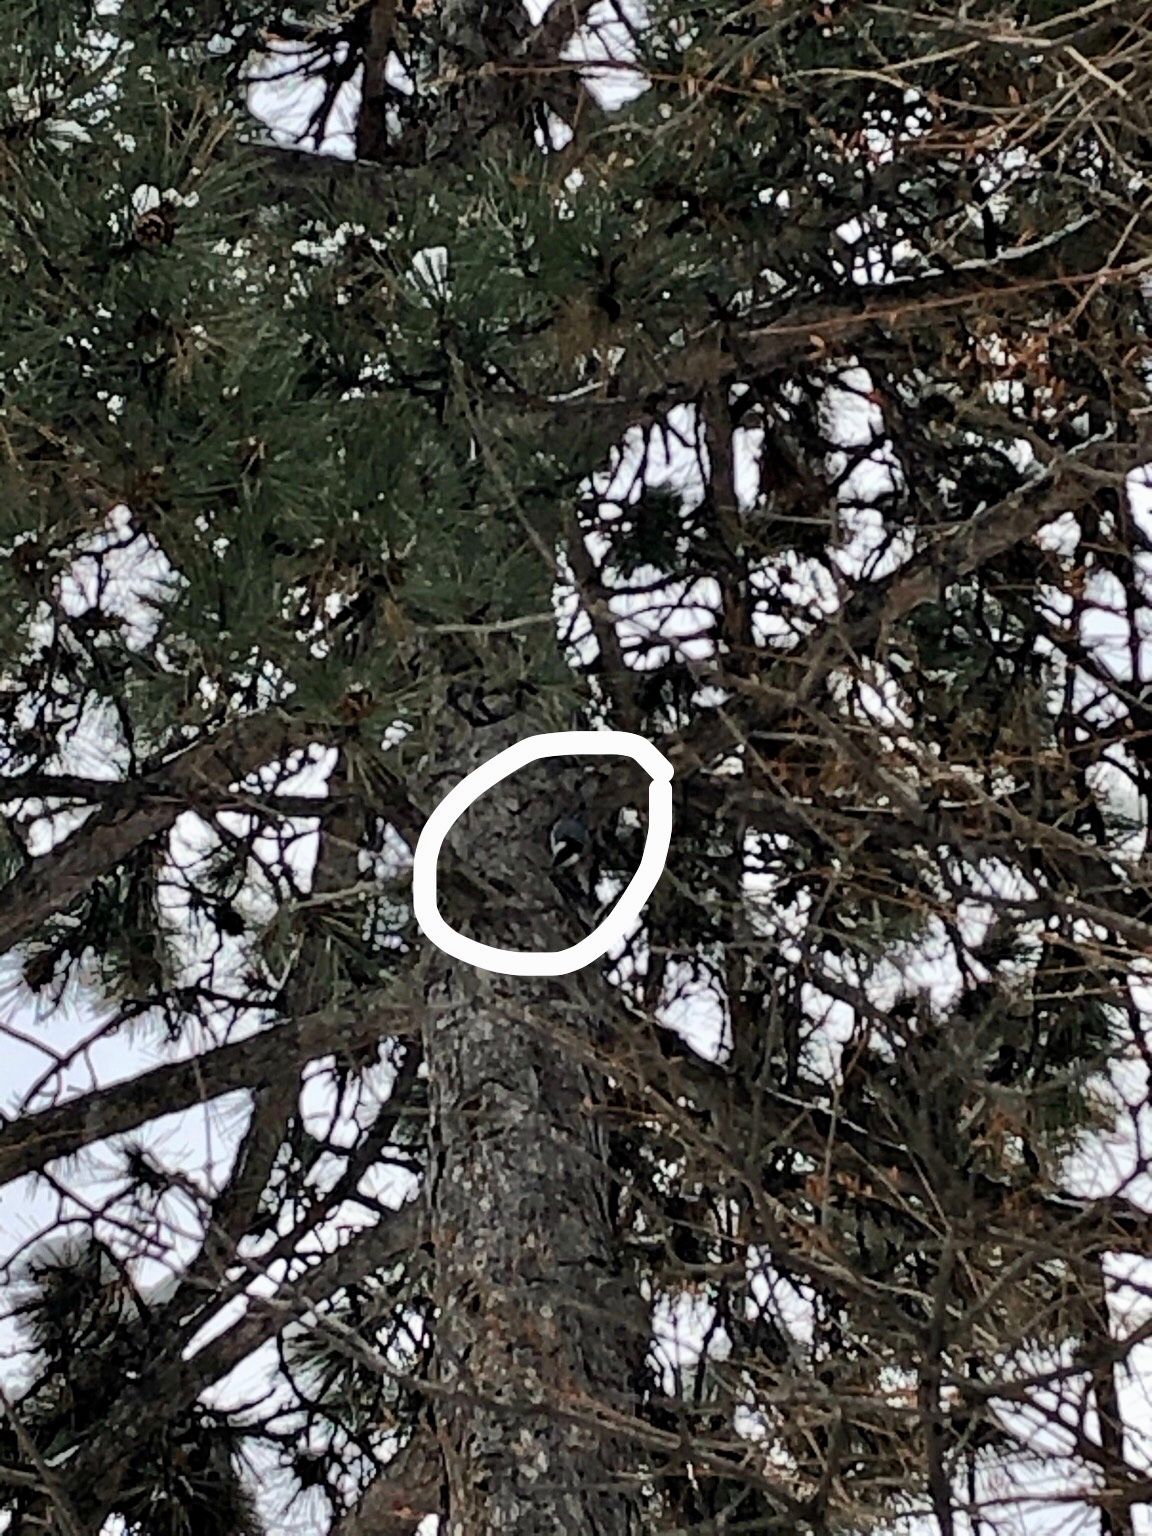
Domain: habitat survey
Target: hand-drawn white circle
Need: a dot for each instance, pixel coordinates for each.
(559, 962)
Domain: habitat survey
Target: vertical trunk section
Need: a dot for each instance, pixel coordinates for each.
(540, 1334)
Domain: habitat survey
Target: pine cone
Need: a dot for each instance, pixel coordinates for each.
(155, 228)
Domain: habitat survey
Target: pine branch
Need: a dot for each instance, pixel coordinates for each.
(277, 1101)
(171, 1383)
(29, 1144)
(55, 881)
(916, 301)
(131, 794)
(57, 1494)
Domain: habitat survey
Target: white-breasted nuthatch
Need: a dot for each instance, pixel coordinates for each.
(569, 841)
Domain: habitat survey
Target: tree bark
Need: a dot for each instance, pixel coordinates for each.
(539, 1329)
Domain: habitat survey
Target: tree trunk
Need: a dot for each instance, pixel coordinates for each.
(539, 1331)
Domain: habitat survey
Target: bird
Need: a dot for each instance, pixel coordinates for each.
(570, 841)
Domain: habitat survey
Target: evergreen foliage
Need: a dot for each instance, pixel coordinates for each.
(792, 412)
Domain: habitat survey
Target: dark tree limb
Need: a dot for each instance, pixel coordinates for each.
(29, 1144)
(277, 1101)
(58, 879)
(172, 1383)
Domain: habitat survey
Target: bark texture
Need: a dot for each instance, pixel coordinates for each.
(540, 1335)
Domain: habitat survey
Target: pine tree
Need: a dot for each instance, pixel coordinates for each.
(381, 386)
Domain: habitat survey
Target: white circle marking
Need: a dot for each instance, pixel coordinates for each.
(558, 962)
